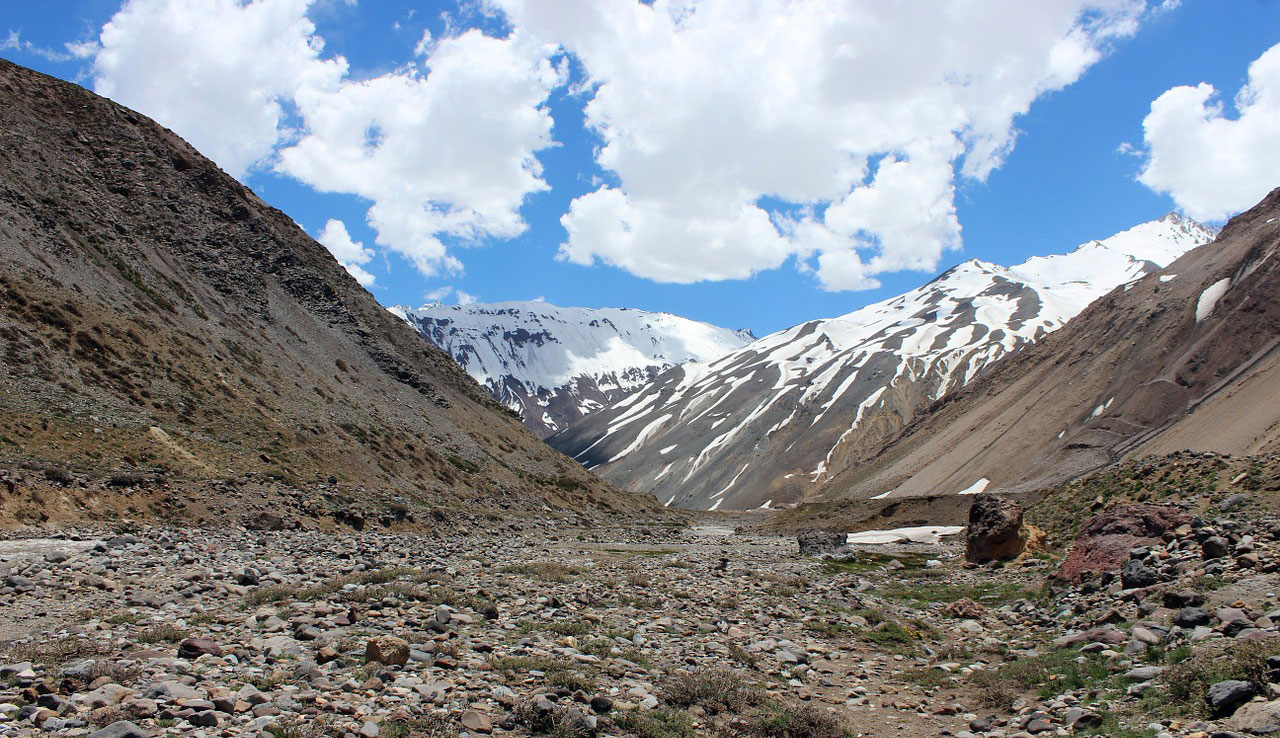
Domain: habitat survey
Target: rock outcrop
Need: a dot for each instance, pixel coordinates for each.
(996, 531)
(1105, 540)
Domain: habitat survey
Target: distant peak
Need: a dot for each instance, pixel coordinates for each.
(976, 265)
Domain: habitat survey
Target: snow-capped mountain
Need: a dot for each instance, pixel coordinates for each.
(768, 423)
(555, 365)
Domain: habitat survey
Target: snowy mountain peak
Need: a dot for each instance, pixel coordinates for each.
(556, 364)
(764, 423)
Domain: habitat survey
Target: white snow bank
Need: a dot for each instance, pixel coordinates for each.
(1209, 298)
(917, 534)
(975, 488)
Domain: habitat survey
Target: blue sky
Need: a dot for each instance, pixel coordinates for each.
(681, 151)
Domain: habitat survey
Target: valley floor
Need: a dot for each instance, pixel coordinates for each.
(657, 630)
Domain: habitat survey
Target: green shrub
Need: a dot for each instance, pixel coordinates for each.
(662, 722)
(714, 690)
(1188, 682)
(793, 721)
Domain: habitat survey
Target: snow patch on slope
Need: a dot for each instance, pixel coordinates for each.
(1209, 298)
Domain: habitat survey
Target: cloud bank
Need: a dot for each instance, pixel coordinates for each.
(351, 254)
(857, 116)
(1212, 165)
(443, 148)
(734, 135)
(216, 71)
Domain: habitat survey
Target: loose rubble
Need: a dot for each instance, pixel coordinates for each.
(651, 629)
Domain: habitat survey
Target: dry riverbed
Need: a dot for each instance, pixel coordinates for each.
(657, 631)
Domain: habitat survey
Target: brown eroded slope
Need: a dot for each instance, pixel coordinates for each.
(1135, 373)
(165, 329)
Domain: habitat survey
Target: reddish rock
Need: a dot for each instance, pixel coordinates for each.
(195, 647)
(476, 721)
(1109, 636)
(965, 609)
(1105, 539)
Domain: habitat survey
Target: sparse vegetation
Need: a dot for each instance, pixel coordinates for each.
(662, 722)
(714, 690)
(1047, 674)
(547, 571)
(435, 725)
(56, 651)
(164, 633)
(919, 593)
(1187, 681)
(557, 672)
(791, 721)
(267, 594)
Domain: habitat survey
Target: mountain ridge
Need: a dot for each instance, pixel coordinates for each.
(168, 332)
(1148, 369)
(782, 398)
(555, 365)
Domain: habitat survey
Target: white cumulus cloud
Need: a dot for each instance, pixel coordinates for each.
(448, 153)
(857, 115)
(440, 294)
(1212, 165)
(215, 71)
(351, 254)
(443, 148)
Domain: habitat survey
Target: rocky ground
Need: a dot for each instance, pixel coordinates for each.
(656, 630)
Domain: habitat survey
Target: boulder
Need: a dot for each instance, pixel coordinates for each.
(387, 650)
(996, 531)
(1105, 540)
(1215, 547)
(1136, 575)
(1258, 718)
(120, 729)
(814, 542)
(965, 609)
(476, 722)
(195, 647)
(264, 521)
(1225, 697)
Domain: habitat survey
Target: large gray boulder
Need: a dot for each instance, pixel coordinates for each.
(815, 542)
(1225, 697)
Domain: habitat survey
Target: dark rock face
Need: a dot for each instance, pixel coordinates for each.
(1225, 697)
(1105, 540)
(1136, 574)
(995, 530)
(814, 542)
(1215, 547)
(1190, 617)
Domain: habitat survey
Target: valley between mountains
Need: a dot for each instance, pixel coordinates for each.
(239, 497)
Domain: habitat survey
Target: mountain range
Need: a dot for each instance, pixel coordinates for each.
(774, 421)
(555, 365)
(1187, 359)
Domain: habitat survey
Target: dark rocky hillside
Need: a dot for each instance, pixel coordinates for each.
(173, 344)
